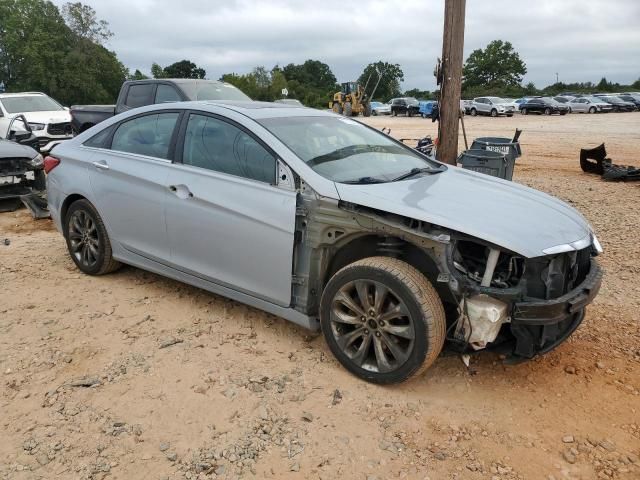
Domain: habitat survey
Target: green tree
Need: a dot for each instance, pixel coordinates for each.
(636, 84)
(137, 75)
(497, 66)
(39, 51)
(312, 73)
(183, 69)
(419, 94)
(278, 82)
(389, 86)
(157, 71)
(82, 21)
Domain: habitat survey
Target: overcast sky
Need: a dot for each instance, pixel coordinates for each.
(581, 40)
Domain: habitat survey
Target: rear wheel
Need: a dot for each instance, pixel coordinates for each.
(474, 112)
(592, 110)
(382, 319)
(348, 111)
(524, 111)
(87, 240)
(394, 113)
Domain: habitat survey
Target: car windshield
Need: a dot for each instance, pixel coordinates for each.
(411, 100)
(30, 103)
(344, 150)
(212, 91)
(497, 100)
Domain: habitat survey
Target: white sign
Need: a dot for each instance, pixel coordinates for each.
(285, 92)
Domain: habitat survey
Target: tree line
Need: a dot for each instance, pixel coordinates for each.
(61, 51)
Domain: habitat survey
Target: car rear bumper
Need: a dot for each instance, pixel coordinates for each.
(541, 325)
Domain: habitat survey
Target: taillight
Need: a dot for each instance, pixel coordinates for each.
(50, 163)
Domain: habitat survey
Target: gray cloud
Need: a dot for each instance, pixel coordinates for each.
(580, 40)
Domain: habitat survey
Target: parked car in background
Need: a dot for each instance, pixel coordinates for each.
(466, 105)
(49, 121)
(138, 93)
(618, 104)
(330, 224)
(408, 106)
(564, 100)
(635, 99)
(589, 105)
(492, 106)
(543, 105)
(290, 101)
(381, 108)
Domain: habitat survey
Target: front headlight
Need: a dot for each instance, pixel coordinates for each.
(596, 244)
(36, 126)
(37, 161)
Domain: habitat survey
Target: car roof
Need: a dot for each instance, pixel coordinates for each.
(22, 94)
(248, 108)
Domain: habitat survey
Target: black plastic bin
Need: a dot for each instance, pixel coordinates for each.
(511, 148)
(488, 162)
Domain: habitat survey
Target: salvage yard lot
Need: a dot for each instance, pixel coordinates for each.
(180, 383)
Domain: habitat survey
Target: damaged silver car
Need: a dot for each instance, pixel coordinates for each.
(330, 224)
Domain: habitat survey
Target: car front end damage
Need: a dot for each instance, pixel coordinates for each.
(494, 299)
(522, 306)
(22, 179)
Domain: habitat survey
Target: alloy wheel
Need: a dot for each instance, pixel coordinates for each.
(372, 326)
(84, 240)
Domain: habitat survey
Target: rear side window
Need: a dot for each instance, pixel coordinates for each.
(99, 139)
(217, 145)
(149, 135)
(166, 93)
(139, 95)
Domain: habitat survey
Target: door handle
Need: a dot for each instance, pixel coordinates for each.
(181, 191)
(101, 165)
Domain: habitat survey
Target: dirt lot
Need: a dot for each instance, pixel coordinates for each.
(88, 391)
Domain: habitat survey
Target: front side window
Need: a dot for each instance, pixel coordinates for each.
(149, 135)
(220, 146)
(166, 93)
(344, 150)
(139, 95)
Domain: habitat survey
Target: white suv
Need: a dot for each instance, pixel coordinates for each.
(50, 121)
(493, 106)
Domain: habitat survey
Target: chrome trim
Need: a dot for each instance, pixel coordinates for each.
(570, 247)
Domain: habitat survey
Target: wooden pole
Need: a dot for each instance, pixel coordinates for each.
(452, 47)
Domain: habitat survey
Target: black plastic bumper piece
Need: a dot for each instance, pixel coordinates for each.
(540, 326)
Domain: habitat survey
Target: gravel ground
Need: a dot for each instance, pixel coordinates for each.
(132, 375)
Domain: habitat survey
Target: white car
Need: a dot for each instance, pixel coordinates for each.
(378, 108)
(49, 121)
(492, 106)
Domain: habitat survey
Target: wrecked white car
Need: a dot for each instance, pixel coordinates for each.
(330, 224)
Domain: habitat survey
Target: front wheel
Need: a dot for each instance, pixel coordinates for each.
(87, 240)
(474, 112)
(524, 111)
(547, 111)
(382, 319)
(494, 113)
(592, 110)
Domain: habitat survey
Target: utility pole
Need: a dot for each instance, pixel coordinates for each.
(452, 46)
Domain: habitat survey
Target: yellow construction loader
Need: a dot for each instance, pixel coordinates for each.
(352, 99)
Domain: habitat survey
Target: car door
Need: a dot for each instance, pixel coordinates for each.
(482, 105)
(227, 220)
(580, 105)
(128, 176)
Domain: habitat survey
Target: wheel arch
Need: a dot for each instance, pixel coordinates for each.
(374, 245)
(64, 208)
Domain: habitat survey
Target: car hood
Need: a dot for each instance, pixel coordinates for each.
(504, 213)
(56, 116)
(12, 150)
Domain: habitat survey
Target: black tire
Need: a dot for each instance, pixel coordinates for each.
(92, 233)
(337, 108)
(547, 111)
(592, 110)
(347, 110)
(474, 112)
(394, 113)
(509, 114)
(523, 111)
(563, 113)
(367, 110)
(411, 307)
(494, 112)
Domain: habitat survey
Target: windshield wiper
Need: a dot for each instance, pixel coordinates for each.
(364, 181)
(416, 171)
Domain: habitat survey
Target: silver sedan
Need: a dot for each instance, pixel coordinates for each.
(330, 224)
